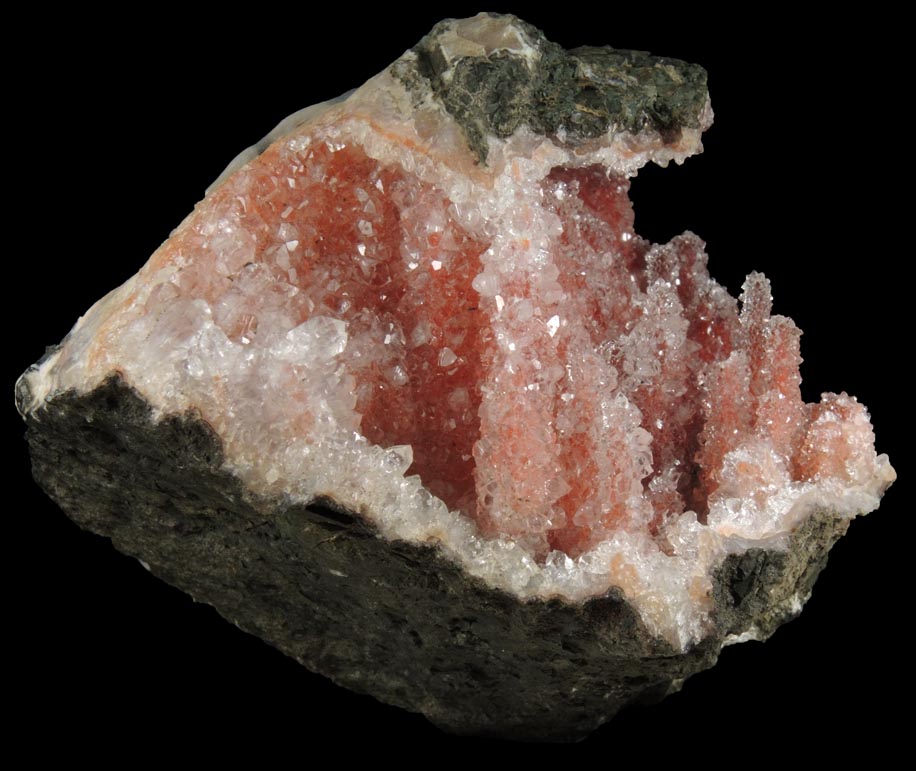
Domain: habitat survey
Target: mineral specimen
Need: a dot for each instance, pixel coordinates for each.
(408, 397)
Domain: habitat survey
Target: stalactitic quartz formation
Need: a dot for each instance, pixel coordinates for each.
(426, 307)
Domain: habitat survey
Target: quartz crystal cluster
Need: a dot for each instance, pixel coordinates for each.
(426, 304)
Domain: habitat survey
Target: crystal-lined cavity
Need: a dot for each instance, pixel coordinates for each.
(462, 338)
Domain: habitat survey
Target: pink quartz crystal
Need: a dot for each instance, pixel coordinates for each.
(600, 384)
(495, 340)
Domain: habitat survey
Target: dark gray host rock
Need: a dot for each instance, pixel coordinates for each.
(392, 619)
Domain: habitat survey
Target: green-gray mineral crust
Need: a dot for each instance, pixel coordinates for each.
(569, 95)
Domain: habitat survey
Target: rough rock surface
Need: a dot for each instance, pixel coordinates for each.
(392, 619)
(581, 94)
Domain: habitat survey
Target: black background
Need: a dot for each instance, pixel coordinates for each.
(138, 114)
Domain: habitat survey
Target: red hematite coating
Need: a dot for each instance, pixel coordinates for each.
(656, 376)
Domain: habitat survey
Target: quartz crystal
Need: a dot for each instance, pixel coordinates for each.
(421, 315)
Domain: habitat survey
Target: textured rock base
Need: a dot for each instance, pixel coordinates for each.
(392, 619)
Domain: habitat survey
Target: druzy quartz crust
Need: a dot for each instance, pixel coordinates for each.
(474, 355)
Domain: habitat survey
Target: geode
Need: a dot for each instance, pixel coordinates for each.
(407, 397)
